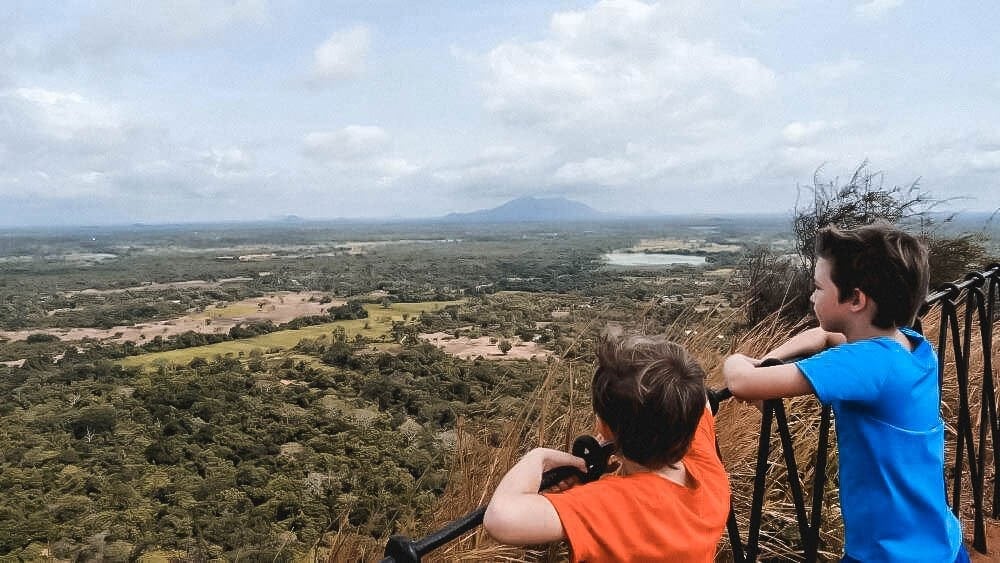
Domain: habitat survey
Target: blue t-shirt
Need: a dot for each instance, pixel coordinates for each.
(891, 442)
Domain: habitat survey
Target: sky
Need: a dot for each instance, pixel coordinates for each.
(115, 112)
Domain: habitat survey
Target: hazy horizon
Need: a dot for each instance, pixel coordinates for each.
(292, 220)
(175, 112)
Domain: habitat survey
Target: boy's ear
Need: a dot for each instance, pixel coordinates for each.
(858, 300)
(603, 430)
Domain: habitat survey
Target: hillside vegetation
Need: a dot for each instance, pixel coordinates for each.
(317, 437)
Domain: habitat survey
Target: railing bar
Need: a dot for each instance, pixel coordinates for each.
(942, 343)
(791, 468)
(735, 542)
(975, 473)
(956, 343)
(987, 414)
(732, 526)
(953, 288)
(757, 503)
(987, 337)
(819, 485)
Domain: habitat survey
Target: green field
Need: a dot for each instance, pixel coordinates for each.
(379, 323)
(231, 310)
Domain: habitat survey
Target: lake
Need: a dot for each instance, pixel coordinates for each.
(618, 258)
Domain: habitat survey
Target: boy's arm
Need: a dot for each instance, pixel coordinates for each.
(517, 514)
(747, 381)
(807, 343)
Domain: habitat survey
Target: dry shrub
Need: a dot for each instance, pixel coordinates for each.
(347, 546)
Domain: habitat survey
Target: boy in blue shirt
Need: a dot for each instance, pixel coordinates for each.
(881, 379)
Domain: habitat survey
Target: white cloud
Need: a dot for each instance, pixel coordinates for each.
(350, 143)
(230, 162)
(342, 55)
(875, 9)
(975, 153)
(985, 160)
(60, 130)
(68, 116)
(681, 105)
(64, 146)
(388, 170)
(189, 175)
(359, 152)
(634, 94)
(621, 64)
(799, 133)
(498, 164)
(601, 171)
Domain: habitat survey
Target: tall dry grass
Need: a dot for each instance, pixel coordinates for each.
(558, 410)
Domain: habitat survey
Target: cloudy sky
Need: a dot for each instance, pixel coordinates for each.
(187, 110)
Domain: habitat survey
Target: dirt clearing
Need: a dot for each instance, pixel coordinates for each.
(278, 308)
(468, 348)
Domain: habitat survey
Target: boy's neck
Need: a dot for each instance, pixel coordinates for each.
(867, 330)
(676, 472)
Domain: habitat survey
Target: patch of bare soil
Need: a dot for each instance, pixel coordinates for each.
(468, 348)
(154, 286)
(992, 544)
(278, 308)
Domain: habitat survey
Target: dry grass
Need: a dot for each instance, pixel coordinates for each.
(559, 410)
(950, 410)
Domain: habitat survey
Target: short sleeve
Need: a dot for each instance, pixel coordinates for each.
(848, 372)
(703, 443)
(583, 516)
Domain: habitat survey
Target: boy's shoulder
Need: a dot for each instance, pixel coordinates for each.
(879, 346)
(872, 370)
(631, 494)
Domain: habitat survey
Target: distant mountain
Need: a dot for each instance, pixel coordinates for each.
(531, 209)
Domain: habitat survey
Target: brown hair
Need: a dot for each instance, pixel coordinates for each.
(887, 264)
(651, 394)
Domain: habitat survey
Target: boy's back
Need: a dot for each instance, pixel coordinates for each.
(885, 399)
(646, 517)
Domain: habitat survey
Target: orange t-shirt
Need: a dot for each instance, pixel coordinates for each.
(645, 517)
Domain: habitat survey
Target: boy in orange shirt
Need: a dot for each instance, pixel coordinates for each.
(670, 501)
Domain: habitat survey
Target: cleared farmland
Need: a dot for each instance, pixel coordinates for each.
(377, 325)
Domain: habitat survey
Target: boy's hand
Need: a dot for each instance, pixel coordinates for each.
(564, 485)
(742, 358)
(738, 361)
(574, 480)
(550, 459)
